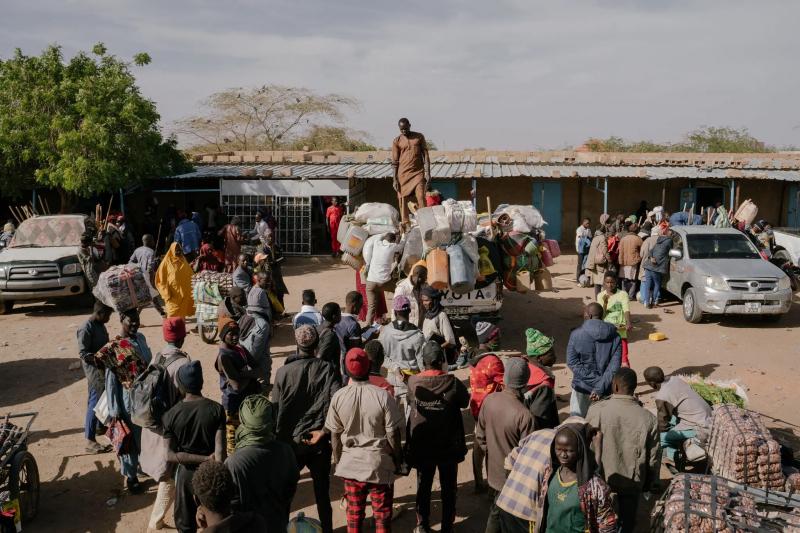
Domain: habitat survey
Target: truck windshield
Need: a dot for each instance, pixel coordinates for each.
(41, 232)
(720, 246)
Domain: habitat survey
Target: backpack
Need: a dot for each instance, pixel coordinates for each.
(150, 393)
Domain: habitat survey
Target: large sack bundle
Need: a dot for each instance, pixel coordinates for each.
(124, 287)
(375, 210)
(526, 217)
(461, 216)
(742, 449)
(223, 281)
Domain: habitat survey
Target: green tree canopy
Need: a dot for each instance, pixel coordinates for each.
(79, 126)
(707, 139)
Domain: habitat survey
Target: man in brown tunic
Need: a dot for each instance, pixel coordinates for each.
(412, 167)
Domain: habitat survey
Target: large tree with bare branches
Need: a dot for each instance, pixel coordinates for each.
(262, 118)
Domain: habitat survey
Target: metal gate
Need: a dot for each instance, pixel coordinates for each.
(294, 224)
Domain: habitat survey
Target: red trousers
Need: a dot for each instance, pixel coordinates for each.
(625, 361)
(381, 497)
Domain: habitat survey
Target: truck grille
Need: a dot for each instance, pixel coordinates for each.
(753, 285)
(33, 272)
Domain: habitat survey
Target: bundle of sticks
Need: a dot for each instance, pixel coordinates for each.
(29, 210)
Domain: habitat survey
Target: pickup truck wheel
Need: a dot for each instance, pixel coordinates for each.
(691, 311)
(6, 307)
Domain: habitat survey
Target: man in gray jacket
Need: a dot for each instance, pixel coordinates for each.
(256, 327)
(402, 343)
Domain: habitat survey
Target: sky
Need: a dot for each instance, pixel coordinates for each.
(498, 74)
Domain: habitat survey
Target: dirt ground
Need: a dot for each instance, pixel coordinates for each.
(84, 492)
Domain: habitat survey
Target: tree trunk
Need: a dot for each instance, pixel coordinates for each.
(67, 201)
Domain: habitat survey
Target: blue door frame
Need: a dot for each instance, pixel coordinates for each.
(547, 199)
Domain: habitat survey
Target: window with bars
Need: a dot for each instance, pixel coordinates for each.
(245, 206)
(292, 214)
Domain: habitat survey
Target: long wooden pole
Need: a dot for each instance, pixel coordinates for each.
(47, 204)
(16, 217)
(41, 204)
(108, 213)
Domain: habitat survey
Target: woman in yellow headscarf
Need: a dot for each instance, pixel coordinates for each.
(174, 283)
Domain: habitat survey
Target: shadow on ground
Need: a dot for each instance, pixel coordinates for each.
(26, 380)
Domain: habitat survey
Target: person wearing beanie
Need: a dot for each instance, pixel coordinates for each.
(402, 346)
(264, 469)
(502, 423)
(302, 393)
(365, 427)
(436, 439)
(239, 375)
(195, 430)
(153, 459)
(540, 397)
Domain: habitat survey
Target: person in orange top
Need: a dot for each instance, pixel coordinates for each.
(485, 378)
(333, 216)
(540, 397)
(174, 283)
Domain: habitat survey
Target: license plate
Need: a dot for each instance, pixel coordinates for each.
(478, 297)
(752, 307)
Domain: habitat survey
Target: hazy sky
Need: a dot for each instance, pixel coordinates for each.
(515, 74)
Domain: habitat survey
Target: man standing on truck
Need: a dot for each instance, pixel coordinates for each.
(92, 336)
(412, 167)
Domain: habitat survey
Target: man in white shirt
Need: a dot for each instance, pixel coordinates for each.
(582, 249)
(380, 253)
(308, 315)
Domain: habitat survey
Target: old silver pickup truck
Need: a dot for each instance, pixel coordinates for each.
(42, 261)
(719, 271)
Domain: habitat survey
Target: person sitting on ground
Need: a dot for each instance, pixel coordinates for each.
(411, 288)
(485, 378)
(436, 439)
(330, 345)
(540, 397)
(232, 307)
(375, 354)
(119, 402)
(379, 253)
(153, 459)
(239, 373)
(616, 311)
(256, 326)
(308, 315)
(436, 326)
(195, 429)
(365, 426)
(402, 343)
(302, 394)
(174, 283)
(594, 354)
(574, 498)
(503, 421)
(214, 489)
(348, 328)
(264, 469)
(92, 336)
(631, 456)
(684, 417)
(207, 260)
(243, 276)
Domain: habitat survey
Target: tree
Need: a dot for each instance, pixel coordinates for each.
(81, 127)
(708, 139)
(333, 138)
(261, 118)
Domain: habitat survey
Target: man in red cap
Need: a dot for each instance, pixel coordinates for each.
(361, 452)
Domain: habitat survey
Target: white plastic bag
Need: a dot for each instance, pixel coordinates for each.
(376, 210)
(461, 215)
(526, 217)
(101, 410)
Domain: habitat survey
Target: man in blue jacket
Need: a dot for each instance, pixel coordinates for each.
(594, 354)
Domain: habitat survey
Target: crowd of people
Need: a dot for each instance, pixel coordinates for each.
(378, 399)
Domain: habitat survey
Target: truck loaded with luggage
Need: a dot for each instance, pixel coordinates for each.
(471, 258)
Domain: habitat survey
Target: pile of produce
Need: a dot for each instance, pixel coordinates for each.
(742, 449)
(717, 392)
(708, 504)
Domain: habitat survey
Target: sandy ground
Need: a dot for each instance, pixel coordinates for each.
(84, 492)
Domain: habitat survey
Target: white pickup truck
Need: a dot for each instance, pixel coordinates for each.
(483, 304)
(42, 261)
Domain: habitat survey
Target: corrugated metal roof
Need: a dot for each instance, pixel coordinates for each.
(482, 170)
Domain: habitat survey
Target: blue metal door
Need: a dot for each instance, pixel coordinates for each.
(547, 199)
(792, 214)
(448, 188)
